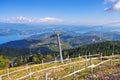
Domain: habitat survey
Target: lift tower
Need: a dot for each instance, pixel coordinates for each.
(59, 44)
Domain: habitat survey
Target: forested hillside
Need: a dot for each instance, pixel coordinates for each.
(107, 48)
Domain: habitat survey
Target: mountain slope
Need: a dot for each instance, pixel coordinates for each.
(107, 48)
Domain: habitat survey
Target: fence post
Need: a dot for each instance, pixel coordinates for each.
(111, 60)
(27, 68)
(8, 73)
(101, 56)
(45, 76)
(30, 74)
(79, 55)
(53, 72)
(70, 63)
(0, 77)
(113, 55)
(85, 60)
(59, 78)
(85, 77)
(68, 57)
(70, 60)
(55, 59)
(38, 77)
(91, 68)
(73, 74)
(28, 71)
(42, 64)
(89, 55)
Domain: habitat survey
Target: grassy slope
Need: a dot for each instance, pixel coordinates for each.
(61, 71)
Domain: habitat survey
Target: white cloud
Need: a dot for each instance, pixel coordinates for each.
(115, 5)
(22, 19)
(107, 1)
(111, 23)
(50, 19)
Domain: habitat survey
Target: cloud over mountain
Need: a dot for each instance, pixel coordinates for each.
(50, 19)
(22, 19)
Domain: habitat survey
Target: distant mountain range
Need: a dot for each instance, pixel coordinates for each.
(46, 44)
(72, 40)
(24, 29)
(74, 36)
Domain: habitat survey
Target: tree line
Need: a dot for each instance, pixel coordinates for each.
(107, 48)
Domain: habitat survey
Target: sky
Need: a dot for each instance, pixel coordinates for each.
(60, 11)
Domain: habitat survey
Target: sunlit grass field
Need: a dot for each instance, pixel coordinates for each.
(56, 70)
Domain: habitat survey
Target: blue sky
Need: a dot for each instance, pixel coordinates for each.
(60, 11)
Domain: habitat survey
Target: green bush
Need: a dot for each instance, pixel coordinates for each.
(4, 62)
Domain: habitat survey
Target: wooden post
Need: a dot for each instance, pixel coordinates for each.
(55, 59)
(38, 77)
(0, 77)
(85, 77)
(68, 57)
(70, 60)
(113, 55)
(85, 60)
(27, 68)
(73, 74)
(79, 55)
(91, 68)
(53, 72)
(42, 64)
(101, 56)
(45, 76)
(111, 60)
(8, 74)
(89, 55)
(59, 78)
(30, 74)
(70, 63)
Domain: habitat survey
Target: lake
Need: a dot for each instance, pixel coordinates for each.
(4, 39)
